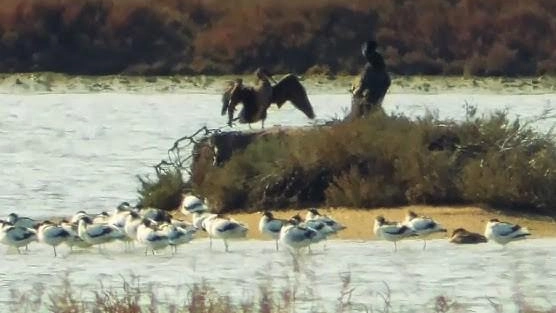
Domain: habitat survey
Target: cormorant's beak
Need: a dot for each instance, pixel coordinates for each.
(269, 76)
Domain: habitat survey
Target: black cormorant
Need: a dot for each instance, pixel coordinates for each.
(257, 99)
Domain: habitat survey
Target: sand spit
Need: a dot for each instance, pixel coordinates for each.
(359, 222)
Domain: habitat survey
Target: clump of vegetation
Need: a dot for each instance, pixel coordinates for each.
(163, 192)
(456, 37)
(386, 160)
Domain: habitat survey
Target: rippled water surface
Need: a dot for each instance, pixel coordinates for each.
(64, 152)
(469, 274)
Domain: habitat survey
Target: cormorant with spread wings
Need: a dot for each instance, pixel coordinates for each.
(257, 99)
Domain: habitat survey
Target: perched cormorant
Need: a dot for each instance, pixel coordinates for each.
(257, 99)
(368, 92)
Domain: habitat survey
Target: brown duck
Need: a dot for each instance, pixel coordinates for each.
(462, 236)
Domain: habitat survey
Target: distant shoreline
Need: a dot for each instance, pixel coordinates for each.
(49, 82)
(359, 222)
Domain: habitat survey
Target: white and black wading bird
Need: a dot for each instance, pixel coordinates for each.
(423, 226)
(504, 233)
(391, 231)
(271, 226)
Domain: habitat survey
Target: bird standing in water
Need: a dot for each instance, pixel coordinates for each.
(257, 99)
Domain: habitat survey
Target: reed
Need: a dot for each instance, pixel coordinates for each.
(133, 297)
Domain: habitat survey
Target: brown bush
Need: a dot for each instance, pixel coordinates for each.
(390, 160)
(215, 37)
(500, 59)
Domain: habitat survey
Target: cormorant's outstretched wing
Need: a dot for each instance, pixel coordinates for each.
(290, 89)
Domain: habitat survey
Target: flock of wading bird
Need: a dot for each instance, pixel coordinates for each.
(155, 229)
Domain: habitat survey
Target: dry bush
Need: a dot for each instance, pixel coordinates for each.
(500, 60)
(360, 188)
(475, 66)
(547, 67)
(390, 160)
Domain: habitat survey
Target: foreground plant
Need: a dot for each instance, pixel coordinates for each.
(135, 297)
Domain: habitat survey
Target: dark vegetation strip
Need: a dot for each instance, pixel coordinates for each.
(379, 160)
(474, 37)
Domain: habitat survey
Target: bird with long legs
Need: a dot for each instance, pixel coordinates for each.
(257, 99)
(16, 236)
(391, 231)
(52, 234)
(296, 236)
(218, 226)
(97, 234)
(271, 226)
(423, 226)
(149, 235)
(322, 229)
(178, 234)
(74, 240)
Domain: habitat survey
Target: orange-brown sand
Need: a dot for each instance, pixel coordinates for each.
(360, 222)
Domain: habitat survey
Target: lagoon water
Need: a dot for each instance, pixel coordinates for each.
(474, 276)
(63, 152)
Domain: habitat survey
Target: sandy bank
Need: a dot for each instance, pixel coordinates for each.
(360, 222)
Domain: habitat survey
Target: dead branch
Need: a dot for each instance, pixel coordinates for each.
(177, 159)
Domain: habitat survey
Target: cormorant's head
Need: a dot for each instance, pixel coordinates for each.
(263, 74)
(368, 48)
(238, 82)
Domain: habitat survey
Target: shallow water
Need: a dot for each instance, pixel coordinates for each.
(64, 152)
(468, 274)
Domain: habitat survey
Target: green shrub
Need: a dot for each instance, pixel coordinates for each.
(163, 192)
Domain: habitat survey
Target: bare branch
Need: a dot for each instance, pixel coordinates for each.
(181, 153)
